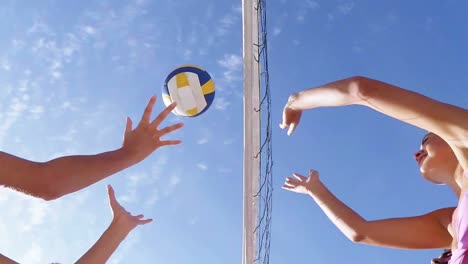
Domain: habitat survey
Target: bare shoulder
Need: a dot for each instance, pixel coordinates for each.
(443, 215)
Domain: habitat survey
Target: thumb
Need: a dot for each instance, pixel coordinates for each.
(128, 126)
(291, 129)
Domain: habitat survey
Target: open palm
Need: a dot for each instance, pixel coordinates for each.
(300, 183)
(123, 217)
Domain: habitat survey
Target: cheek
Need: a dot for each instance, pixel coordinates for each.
(429, 163)
(429, 174)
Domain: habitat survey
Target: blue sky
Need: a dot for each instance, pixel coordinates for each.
(71, 73)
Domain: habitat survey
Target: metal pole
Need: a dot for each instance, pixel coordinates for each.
(251, 178)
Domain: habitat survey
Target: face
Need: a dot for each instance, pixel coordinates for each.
(435, 158)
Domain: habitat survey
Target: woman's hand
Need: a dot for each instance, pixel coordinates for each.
(291, 115)
(301, 184)
(121, 217)
(140, 142)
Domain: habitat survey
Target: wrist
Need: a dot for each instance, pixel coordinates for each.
(128, 156)
(314, 188)
(292, 101)
(120, 227)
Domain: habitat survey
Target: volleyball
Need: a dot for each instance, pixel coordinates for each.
(191, 87)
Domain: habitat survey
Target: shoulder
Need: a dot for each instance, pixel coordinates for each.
(443, 215)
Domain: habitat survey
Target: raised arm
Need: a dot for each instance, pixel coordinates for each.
(448, 121)
(123, 222)
(421, 232)
(64, 175)
(5, 260)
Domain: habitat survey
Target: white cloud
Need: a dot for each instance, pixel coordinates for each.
(4, 195)
(88, 29)
(311, 4)
(134, 182)
(202, 141)
(346, 8)
(5, 64)
(202, 166)
(305, 7)
(232, 64)
(221, 103)
(40, 27)
(16, 106)
(229, 21)
(37, 210)
(174, 181)
(33, 255)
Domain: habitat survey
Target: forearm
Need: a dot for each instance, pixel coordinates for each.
(105, 246)
(340, 93)
(72, 173)
(445, 120)
(5, 260)
(344, 218)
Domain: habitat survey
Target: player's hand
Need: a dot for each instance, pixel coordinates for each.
(121, 218)
(140, 142)
(291, 116)
(301, 184)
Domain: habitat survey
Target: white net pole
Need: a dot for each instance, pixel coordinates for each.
(251, 129)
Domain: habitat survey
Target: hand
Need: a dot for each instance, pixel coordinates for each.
(121, 217)
(146, 137)
(301, 184)
(291, 116)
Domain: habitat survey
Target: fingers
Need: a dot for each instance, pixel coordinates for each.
(312, 172)
(128, 125)
(158, 120)
(141, 221)
(169, 129)
(169, 142)
(287, 187)
(291, 129)
(148, 110)
(284, 122)
(299, 177)
(291, 182)
(144, 222)
(111, 194)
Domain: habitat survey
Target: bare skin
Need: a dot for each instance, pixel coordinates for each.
(122, 224)
(442, 158)
(61, 176)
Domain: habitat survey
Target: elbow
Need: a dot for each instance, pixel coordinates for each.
(47, 192)
(46, 188)
(356, 237)
(358, 234)
(49, 195)
(361, 87)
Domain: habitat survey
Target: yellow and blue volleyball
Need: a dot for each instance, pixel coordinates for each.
(191, 87)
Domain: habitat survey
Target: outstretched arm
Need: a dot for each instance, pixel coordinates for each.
(421, 232)
(5, 260)
(64, 175)
(123, 222)
(448, 121)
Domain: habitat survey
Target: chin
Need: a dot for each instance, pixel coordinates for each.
(430, 178)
